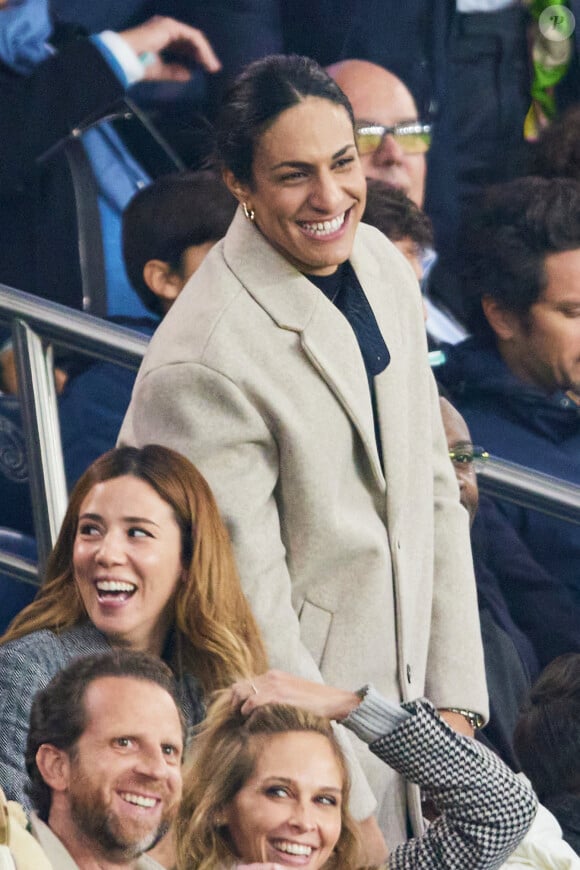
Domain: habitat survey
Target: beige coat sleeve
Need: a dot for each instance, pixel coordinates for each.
(455, 638)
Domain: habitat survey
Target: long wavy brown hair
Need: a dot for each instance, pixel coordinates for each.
(216, 637)
(221, 760)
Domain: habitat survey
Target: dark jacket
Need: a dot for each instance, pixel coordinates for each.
(39, 239)
(524, 599)
(38, 229)
(519, 423)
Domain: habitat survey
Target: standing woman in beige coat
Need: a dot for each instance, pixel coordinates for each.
(293, 371)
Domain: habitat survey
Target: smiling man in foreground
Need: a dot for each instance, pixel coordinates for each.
(104, 757)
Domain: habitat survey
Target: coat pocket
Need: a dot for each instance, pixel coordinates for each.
(315, 625)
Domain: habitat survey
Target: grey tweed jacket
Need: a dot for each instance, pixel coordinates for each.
(26, 666)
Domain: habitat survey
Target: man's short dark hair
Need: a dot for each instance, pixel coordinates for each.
(392, 212)
(506, 242)
(547, 735)
(58, 714)
(165, 218)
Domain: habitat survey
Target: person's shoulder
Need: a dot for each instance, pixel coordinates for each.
(82, 639)
(46, 647)
(35, 656)
(146, 862)
(209, 298)
(374, 239)
(30, 644)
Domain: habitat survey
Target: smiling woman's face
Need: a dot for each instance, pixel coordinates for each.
(308, 190)
(289, 811)
(127, 562)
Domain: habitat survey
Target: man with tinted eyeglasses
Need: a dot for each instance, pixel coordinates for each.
(393, 143)
(391, 139)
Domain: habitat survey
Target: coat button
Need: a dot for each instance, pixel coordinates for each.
(408, 673)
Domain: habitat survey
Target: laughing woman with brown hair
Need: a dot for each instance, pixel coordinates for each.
(142, 561)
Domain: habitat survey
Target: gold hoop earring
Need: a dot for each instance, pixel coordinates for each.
(249, 212)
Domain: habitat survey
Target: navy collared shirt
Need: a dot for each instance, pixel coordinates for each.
(344, 290)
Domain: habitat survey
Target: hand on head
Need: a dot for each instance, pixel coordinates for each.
(277, 687)
(162, 34)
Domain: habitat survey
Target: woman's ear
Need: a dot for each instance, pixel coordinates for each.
(241, 191)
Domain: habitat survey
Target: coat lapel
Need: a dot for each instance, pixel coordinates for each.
(331, 346)
(295, 303)
(383, 288)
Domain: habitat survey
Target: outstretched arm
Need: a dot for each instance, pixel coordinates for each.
(183, 43)
(485, 808)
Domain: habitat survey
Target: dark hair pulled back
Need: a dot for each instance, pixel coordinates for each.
(261, 92)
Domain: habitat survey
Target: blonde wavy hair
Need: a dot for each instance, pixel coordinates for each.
(221, 760)
(216, 637)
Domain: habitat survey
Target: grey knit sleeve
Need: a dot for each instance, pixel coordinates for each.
(375, 716)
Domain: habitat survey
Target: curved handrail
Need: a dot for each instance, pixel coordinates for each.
(73, 329)
(531, 489)
(36, 325)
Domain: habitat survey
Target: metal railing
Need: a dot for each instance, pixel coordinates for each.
(37, 325)
(530, 489)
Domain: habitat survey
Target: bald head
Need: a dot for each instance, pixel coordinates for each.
(378, 96)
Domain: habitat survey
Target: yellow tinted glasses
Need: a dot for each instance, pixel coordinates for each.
(412, 138)
(466, 453)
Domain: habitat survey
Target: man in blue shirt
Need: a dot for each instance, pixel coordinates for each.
(47, 94)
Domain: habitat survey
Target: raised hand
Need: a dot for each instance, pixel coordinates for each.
(162, 34)
(277, 687)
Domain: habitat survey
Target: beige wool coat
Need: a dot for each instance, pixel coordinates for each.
(355, 573)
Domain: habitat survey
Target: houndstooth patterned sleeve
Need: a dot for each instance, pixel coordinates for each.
(485, 808)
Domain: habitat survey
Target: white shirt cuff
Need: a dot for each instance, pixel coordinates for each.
(127, 59)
